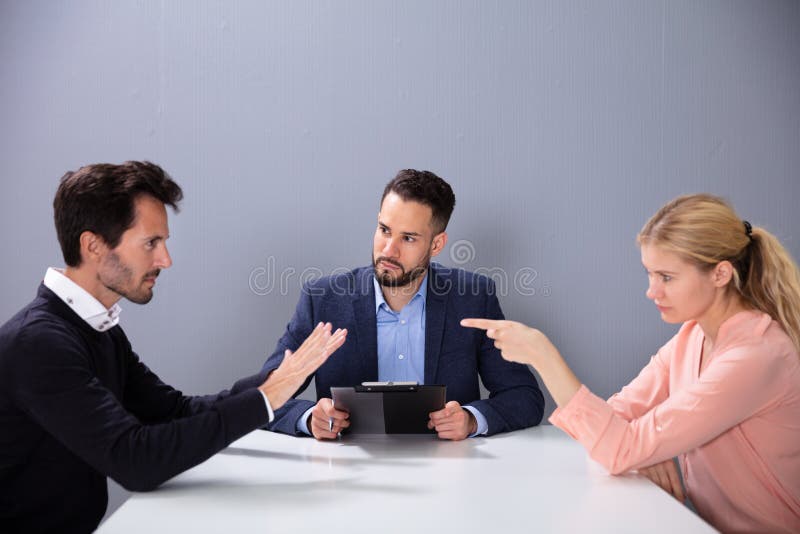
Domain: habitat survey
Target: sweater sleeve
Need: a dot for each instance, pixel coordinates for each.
(56, 385)
(152, 401)
(736, 384)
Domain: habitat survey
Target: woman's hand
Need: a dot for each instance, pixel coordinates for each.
(523, 344)
(516, 342)
(665, 474)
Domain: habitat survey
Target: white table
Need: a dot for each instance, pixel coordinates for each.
(536, 480)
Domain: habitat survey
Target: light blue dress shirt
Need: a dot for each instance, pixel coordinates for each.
(401, 346)
(401, 337)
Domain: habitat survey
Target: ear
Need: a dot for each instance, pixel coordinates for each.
(439, 241)
(93, 247)
(722, 273)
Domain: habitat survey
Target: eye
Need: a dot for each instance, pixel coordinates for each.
(383, 230)
(151, 244)
(665, 278)
(409, 239)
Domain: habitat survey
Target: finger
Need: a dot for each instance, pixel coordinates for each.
(663, 479)
(340, 424)
(645, 472)
(451, 434)
(655, 476)
(337, 427)
(313, 349)
(329, 411)
(443, 415)
(336, 340)
(483, 324)
(329, 344)
(675, 483)
(438, 414)
(323, 433)
(322, 429)
(315, 334)
(442, 420)
(333, 413)
(447, 426)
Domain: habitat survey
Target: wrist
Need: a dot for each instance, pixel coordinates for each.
(308, 425)
(472, 423)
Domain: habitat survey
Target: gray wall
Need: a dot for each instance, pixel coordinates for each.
(561, 125)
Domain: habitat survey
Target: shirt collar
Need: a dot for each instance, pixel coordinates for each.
(81, 301)
(421, 293)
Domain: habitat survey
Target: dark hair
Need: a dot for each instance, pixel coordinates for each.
(100, 198)
(426, 188)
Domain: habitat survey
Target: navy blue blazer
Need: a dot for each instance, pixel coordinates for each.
(454, 356)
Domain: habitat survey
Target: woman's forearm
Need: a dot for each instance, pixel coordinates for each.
(559, 379)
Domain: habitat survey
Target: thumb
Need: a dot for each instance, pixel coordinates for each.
(287, 353)
(452, 407)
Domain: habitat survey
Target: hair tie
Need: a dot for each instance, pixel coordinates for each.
(748, 229)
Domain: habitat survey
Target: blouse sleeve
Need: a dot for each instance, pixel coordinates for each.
(736, 384)
(648, 389)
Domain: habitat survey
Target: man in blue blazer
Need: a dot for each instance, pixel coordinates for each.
(402, 315)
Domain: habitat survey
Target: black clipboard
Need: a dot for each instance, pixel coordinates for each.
(386, 408)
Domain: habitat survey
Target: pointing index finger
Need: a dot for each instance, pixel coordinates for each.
(483, 324)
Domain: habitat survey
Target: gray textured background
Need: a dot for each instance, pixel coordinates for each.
(561, 125)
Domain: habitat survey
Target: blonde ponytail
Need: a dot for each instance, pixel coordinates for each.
(773, 282)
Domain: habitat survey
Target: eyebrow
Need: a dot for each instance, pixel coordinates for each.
(660, 271)
(155, 237)
(415, 234)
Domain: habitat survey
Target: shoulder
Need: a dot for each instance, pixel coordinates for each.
(758, 333)
(465, 283)
(37, 339)
(341, 282)
(34, 323)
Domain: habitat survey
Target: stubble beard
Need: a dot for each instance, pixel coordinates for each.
(119, 279)
(406, 278)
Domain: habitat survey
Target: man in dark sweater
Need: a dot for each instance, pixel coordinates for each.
(76, 403)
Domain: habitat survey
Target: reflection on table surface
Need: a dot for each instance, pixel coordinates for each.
(536, 480)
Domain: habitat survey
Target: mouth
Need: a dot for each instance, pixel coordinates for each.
(389, 266)
(662, 309)
(151, 278)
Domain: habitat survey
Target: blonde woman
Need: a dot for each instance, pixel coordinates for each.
(723, 395)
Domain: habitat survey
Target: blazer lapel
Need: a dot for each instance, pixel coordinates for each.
(366, 326)
(435, 308)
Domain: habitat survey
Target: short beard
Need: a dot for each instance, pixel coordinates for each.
(405, 279)
(120, 276)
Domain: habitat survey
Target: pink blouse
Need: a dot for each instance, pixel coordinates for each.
(735, 427)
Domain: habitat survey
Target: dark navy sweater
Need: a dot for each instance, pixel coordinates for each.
(77, 405)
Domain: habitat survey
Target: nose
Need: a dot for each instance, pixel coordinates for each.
(163, 259)
(390, 249)
(653, 291)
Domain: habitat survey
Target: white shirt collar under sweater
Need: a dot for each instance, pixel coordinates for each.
(81, 301)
